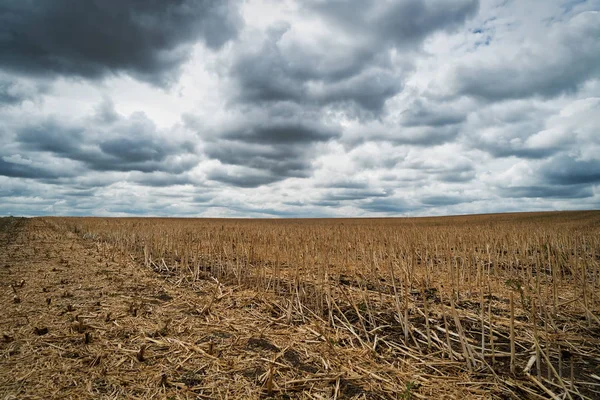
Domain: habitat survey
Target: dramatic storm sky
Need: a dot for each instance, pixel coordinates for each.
(298, 108)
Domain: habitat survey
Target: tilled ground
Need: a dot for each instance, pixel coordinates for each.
(83, 320)
(79, 322)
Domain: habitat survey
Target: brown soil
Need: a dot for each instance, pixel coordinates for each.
(82, 322)
(76, 324)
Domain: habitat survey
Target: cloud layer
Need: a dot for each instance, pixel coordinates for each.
(148, 39)
(298, 108)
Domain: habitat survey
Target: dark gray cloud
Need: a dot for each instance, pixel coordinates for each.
(79, 193)
(421, 113)
(563, 176)
(366, 159)
(30, 170)
(326, 203)
(505, 129)
(15, 188)
(561, 192)
(160, 179)
(397, 134)
(459, 175)
(8, 95)
(549, 66)
(353, 194)
(243, 177)
(88, 180)
(402, 24)
(147, 39)
(265, 148)
(357, 78)
(349, 107)
(456, 169)
(137, 150)
(296, 82)
(124, 144)
(280, 132)
(387, 205)
(367, 91)
(14, 91)
(54, 137)
(567, 170)
(523, 129)
(516, 147)
(278, 162)
(357, 82)
(444, 200)
(344, 183)
(203, 198)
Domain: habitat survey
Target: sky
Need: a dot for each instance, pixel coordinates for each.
(298, 108)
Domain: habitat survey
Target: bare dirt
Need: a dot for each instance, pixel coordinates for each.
(80, 319)
(77, 322)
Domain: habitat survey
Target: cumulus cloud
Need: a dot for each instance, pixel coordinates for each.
(21, 167)
(546, 192)
(301, 108)
(567, 170)
(534, 130)
(148, 39)
(259, 147)
(15, 90)
(402, 24)
(350, 65)
(397, 206)
(76, 152)
(548, 65)
(279, 71)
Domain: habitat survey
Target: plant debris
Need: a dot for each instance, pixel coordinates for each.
(491, 306)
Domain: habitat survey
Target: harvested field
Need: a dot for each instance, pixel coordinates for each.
(488, 306)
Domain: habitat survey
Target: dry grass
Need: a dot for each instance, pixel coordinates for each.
(492, 305)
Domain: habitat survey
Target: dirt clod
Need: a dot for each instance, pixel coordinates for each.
(40, 331)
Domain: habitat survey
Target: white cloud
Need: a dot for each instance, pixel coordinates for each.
(309, 108)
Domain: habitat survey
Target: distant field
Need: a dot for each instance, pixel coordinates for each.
(499, 305)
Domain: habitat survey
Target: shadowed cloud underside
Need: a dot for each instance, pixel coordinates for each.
(299, 108)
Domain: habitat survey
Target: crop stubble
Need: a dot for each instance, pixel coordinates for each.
(490, 305)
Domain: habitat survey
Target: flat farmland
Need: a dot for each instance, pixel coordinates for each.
(485, 306)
